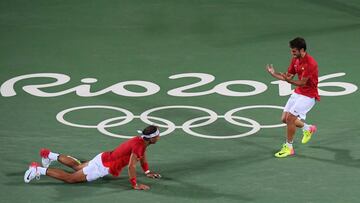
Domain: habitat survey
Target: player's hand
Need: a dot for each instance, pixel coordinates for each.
(287, 77)
(153, 175)
(270, 69)
(141, 187)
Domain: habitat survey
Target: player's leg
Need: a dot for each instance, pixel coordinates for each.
(287, 148)
(90, 171)
(47, 157)
(295, 110)
(81, 166)
(284, 116)
(303, 106)
(71, 162)
(35, 171)
(299, 123)
(291, 119)
(76, 177)
(290, 127)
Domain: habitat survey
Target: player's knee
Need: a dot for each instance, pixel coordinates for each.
(290, 119)
(79, 167)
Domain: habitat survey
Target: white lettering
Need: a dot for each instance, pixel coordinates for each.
(221, 88)
(150, 87)
(285, 88)
(7, 88)
(204, 79)
(348, 87)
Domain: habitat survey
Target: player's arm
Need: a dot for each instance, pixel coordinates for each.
(277, 75)
(132, 174)
(290, 80)
(145, 167)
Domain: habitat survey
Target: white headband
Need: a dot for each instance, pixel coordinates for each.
(155, 134)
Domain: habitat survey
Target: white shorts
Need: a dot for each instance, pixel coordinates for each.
(298, 105)
(95, 169)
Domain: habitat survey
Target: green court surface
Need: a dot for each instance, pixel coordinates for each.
(141, 53)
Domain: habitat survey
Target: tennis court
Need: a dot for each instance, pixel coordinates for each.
(79, 77)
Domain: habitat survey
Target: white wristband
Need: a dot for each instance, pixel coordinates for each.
(147, 172)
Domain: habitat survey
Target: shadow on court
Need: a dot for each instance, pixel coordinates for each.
(341, 157)
(74, 191)
(174, 185)
(182, 189)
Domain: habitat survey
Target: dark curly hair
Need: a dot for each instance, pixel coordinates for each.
(149, 130)
(298, 43)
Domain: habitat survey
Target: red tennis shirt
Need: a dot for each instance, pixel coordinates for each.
(117, 159)
(306, 67)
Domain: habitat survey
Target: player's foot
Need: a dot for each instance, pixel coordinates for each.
(32, 172)
(285, 151)
(308, 133)
(45, 160)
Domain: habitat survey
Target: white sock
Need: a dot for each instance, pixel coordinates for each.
(42, 170)
(306, 127)
(53, 156)
(289, 144)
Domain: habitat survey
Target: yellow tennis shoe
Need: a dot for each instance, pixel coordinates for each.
(308, 133)
(285, 151)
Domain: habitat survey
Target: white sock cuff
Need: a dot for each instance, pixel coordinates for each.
(306, 127)
(42, 170)
(53, 156)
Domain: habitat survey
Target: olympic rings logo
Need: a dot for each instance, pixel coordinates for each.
(186, 126)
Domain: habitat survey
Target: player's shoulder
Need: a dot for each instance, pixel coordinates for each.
(310, 60)
(130, 141)
(137, 140)
(134, 139)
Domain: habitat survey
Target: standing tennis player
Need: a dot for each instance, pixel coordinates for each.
(304, 96)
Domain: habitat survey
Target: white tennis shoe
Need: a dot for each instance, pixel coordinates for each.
(45, 160)
(32, 172)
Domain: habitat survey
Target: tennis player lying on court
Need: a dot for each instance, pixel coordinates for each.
(109, 162)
